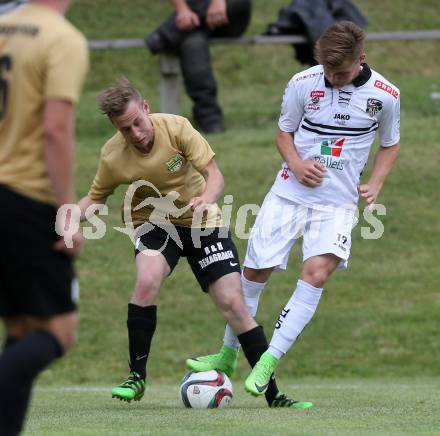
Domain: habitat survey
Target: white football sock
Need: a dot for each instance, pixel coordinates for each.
(294, 317)
(251, 293)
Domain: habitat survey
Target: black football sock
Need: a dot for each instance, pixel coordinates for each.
(19, 366)
(254, 344)
(141, 324)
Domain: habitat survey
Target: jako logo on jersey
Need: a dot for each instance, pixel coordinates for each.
(175, 163)
(344, 117)
(386, 88)
(373, 106)
(284, 174)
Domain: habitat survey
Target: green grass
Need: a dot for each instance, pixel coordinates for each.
(379, 318)
(377, 406)
(377, 325)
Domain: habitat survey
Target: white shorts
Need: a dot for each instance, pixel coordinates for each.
(281, 222)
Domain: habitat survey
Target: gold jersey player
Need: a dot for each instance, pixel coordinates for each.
(177, 178)
(43, 62)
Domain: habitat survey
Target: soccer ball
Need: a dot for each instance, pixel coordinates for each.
(206, 390)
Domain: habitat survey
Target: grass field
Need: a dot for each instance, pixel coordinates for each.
(376, 330)
(404, 406)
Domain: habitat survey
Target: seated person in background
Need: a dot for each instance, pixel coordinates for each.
(187, 33)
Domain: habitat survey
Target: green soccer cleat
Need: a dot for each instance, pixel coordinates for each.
(282, 401)
(258, 380)
(225, 360)
(131, 389)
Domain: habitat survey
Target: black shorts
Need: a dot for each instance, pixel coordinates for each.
(210, 256)
(35, 280)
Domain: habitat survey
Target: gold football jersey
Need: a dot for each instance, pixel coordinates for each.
(42, 56)
(169, 174)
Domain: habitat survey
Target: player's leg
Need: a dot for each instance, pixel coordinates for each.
(227, 296)
(296, 314)
(22, 361)
(219, 278)
(151, 269)
(226, 358)
(253, 282)
(156, 256)
(16, 327)
(275, 231)
(38, 296)
(326, 246)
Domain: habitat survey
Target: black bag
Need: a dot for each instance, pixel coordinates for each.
(310, 18)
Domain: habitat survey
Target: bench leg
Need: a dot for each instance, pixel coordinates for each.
(169, 87)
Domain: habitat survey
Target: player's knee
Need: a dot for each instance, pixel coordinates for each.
(234, 309)
(257, 275)
(63, 328)
(67, 340)
(147, 283)
(316, 278)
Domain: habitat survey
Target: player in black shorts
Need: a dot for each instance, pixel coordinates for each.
(43, 62)
(173, 208)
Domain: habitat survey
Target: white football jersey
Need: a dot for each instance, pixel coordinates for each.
(336, 126)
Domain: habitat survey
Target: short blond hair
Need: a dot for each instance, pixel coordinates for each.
(341, 43)
(113, 101)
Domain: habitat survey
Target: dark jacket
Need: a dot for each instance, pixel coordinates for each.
(310, 18)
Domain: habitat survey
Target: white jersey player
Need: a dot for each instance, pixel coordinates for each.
(329, 118)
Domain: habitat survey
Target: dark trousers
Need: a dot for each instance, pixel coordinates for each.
(193, 50)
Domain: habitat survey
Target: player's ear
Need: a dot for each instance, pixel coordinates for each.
(146, 106)
(362, 57)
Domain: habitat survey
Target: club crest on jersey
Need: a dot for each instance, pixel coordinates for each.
(175, 163)
(373, 106)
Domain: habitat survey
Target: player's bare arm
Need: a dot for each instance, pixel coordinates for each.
(59, 152)
(214, 186)
(59, 148)
(85, 203)
(308, 172)
(383, 163)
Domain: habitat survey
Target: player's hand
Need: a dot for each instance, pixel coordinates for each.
(75, 248)
(309, 173)
(369, 192)
(216, 14)
(198, 203)
(186, 19)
